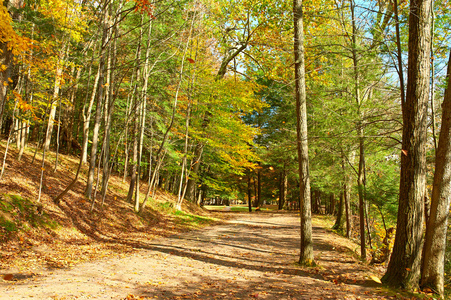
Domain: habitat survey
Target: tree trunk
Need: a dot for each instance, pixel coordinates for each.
(306, 255)
(332, 204)
(109, 108)
(404, 266)
(191, 188)
(360, 134)
(70, 111)
(361, 198)
(184, 169)
(339, 221)
(133, 179)
(259, 188)
(56, 89)
(6, 59)
(141, 117)
(249, 192)
(100, 96)
(87, 111)
(282, 189)
(432, 274)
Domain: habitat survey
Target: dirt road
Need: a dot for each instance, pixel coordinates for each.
(252, 256)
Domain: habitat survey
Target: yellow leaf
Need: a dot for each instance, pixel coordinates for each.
(375, 279)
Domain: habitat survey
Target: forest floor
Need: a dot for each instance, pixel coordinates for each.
(250, 256)
(67, 251)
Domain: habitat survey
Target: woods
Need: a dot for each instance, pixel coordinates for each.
(329, 107)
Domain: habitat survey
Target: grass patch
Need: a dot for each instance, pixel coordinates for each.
(233, 208)
(19, 214)
(191, 220)
(165, 207)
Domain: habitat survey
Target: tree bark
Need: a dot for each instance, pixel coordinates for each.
(100, 96)
(404, 266)
(56, 89)
(191, 188)
(283, 189)
(432, 274)
(259, 188)
(339, 221)
(249, 192)
(306, 247)
(332, 204)
(346, 198)
(360, 133)
(87, 111)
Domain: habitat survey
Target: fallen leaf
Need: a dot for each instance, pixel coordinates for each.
(8, 277)
(375, 279)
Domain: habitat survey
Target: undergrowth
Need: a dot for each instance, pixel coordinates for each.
(19, 214)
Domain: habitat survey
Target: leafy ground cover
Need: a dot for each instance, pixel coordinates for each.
(252, 256)
(30, 229)
(64, 251)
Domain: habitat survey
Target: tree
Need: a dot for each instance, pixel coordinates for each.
(432, 274)
(11, 44)
(404, 266)
(306, 256)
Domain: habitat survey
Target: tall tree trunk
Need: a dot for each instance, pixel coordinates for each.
(135, 104)
(109, 107)
(70, 112)
(58, 135)
(141, 118)
(143, 113)
(282, 189)
(87, 111)
(184, 168)
(404, 266)
(306, 255)
(432, 274)
(249, 192)
(100, 98)
(6, 59)
(346, 197)
(133, 179)
(339, 221)
(360, 134)
(259, 188)
(56, 89)
(360, 182)
(332, 204)
(191, 188)
(433, 121)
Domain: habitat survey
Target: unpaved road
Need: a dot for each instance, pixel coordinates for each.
(252, 256)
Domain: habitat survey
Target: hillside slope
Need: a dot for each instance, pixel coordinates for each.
(41, 235)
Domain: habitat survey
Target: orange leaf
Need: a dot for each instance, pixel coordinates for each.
(8, 277)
